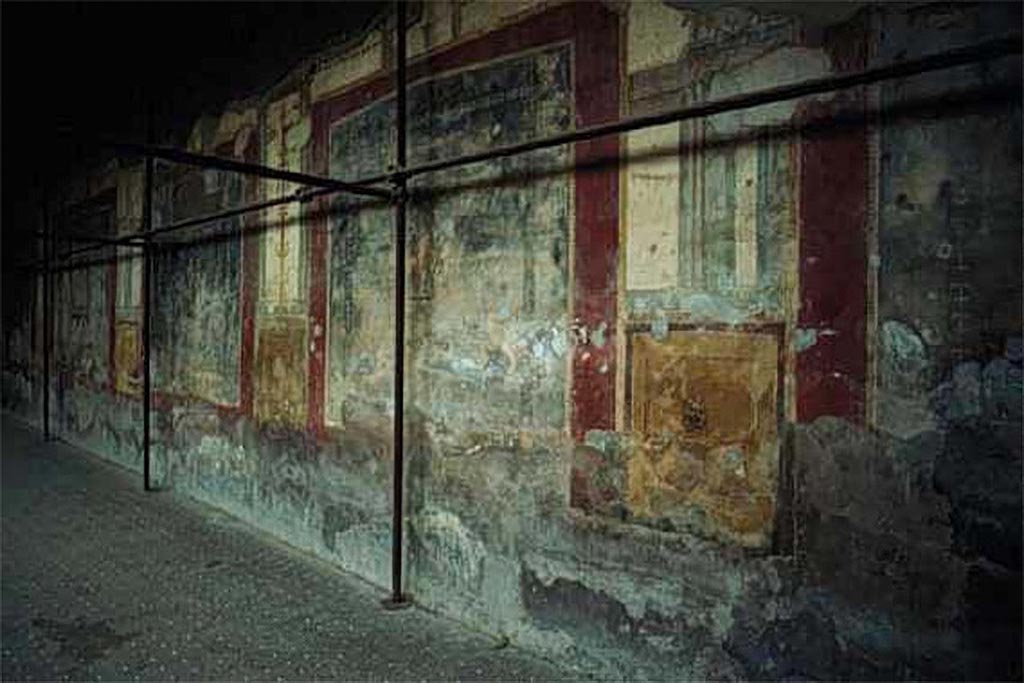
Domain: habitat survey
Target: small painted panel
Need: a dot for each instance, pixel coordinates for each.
(126, 357)
(704, 413)
(129, 282)
(652, 257)
(280, 372)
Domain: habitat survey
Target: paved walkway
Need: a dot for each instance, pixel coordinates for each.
(102, 581)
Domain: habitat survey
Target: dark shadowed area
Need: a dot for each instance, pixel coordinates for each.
(75, 72)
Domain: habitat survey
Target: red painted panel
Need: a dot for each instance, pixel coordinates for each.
(597, 220)
(831, 374)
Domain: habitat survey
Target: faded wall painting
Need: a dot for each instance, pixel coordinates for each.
(711, 232)
(949, 239)
(361, 274)
(279, 374)
(129, 282)
(487, 267)
(705, 416)
(710, 239)
(82, 324)
(283, 245)
(127, 377)
(129, 260)
(196, 297)
(18, 316)
(196, 322)
(735, 233)
(128, 301)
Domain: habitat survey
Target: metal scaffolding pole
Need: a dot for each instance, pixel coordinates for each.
(93, 239)
(1002, 47)
(398, 598)
(994, 49)
(132, 240)
(206, 161)
(82, 250)
(231, 213)
(399, 177)
(969, 55)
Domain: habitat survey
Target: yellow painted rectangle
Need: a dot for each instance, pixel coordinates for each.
(704, 412)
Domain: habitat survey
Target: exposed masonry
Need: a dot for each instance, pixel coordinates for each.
(748, 405)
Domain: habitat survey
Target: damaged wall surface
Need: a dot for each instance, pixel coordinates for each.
(736, 397)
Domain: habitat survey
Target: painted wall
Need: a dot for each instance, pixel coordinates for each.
(737, 397)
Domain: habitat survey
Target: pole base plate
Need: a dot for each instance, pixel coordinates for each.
(393, 604)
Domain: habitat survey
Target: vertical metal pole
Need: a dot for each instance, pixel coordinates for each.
(47, 257)
(397, 597)
(147, 224)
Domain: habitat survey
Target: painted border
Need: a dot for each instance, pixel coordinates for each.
(595, 33)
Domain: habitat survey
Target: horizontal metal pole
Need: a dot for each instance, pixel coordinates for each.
(231, 213)
(126, 241)
(206, 161)
(83, 238)
(132, 240)
(959, 57)
(1002, 47)
(89, 263)
(94, 247)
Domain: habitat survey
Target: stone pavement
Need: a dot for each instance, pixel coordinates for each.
(103, 581)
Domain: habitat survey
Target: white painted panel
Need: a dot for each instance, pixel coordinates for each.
(652, 247)
(746, 215)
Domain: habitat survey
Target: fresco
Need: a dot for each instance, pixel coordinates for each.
(129, 220)
(688, 518)
(22, 341)
(361, 275)
(279, 374)
(704, 412)
(949, 243)
(196, 297)
(81, 324)
(711, 238)
(128, 302)
(499, 348)
(715, 237)
(127, 378)
(283, 247)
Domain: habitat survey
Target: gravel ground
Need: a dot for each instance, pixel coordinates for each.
(103, 581)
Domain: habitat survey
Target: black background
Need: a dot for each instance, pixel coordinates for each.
(74, 71)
